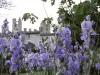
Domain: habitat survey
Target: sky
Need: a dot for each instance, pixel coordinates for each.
(32, 6)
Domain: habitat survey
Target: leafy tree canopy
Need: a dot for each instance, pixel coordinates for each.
(74, 14)
(30, 16)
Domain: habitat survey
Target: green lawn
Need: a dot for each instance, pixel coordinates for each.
(35, 73)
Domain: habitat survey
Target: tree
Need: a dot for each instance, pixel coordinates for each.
(73, 14)
(30, 16)
(5, 4)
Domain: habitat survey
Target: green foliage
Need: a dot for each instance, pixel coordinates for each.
(74, 15)
(44, 0)
(69, 3)
(52, 1)
(84, 8)
(97, 2)
(48, 20)
(30, 16)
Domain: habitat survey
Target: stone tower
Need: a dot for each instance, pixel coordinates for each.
(16, 25)
(44, 28)
(20, 24)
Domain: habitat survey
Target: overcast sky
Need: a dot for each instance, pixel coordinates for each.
(33, 6)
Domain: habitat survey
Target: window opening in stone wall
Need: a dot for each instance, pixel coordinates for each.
(29, 36)
(46, 29)
(41, 29)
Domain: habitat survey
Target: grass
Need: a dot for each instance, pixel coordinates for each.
(34, 73)
(47, 72)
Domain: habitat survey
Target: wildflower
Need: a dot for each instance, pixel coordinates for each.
(14, 67)
(92, 41)
(66, 31)
(98, 66)
(61, 17)
(4, 42)
(44, 56)
(58, 32)
(68, 72)
(94, 33)
(87, 31)
(5, 28)
(76, 47)
(15, 43)
(8, 62)
(5, 21)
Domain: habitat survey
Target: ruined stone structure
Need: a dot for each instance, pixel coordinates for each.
(32, 36)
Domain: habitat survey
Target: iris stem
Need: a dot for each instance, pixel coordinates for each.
(54, 64)
(1, 64)
(98, 72)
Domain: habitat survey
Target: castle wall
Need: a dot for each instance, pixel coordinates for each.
(34, 38)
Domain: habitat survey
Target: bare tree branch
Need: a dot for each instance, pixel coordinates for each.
(6, 4)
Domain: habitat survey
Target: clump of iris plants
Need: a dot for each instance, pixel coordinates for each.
(75, 59)
(55, 57)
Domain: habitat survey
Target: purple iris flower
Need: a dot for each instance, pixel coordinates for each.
(70, 47)
(11, 34)
(61, 17)
(87, 30)
(74, 66)
(94, 33)
(76, 47)
(68, 72)
(98, 66)
(40, 63)
(8, 62)
(76, 43)
(77, 66)
(58, 32)
(66, 31)
(92, 41)
(81, 57)
(5, 28)
(5, 21)
(16, 51)
(15, 46)
(44, 56)
(15, 43)
(30, 56)
(86, 44)
(68, 59)
(14, 67)
(59, 56)
(88, 17)
(83, 37)
(86, 25)
(1, 49)
(68, 40)
(34, 59)
(4, 42)
(18, 33)
(64, 43)
(14, 58)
